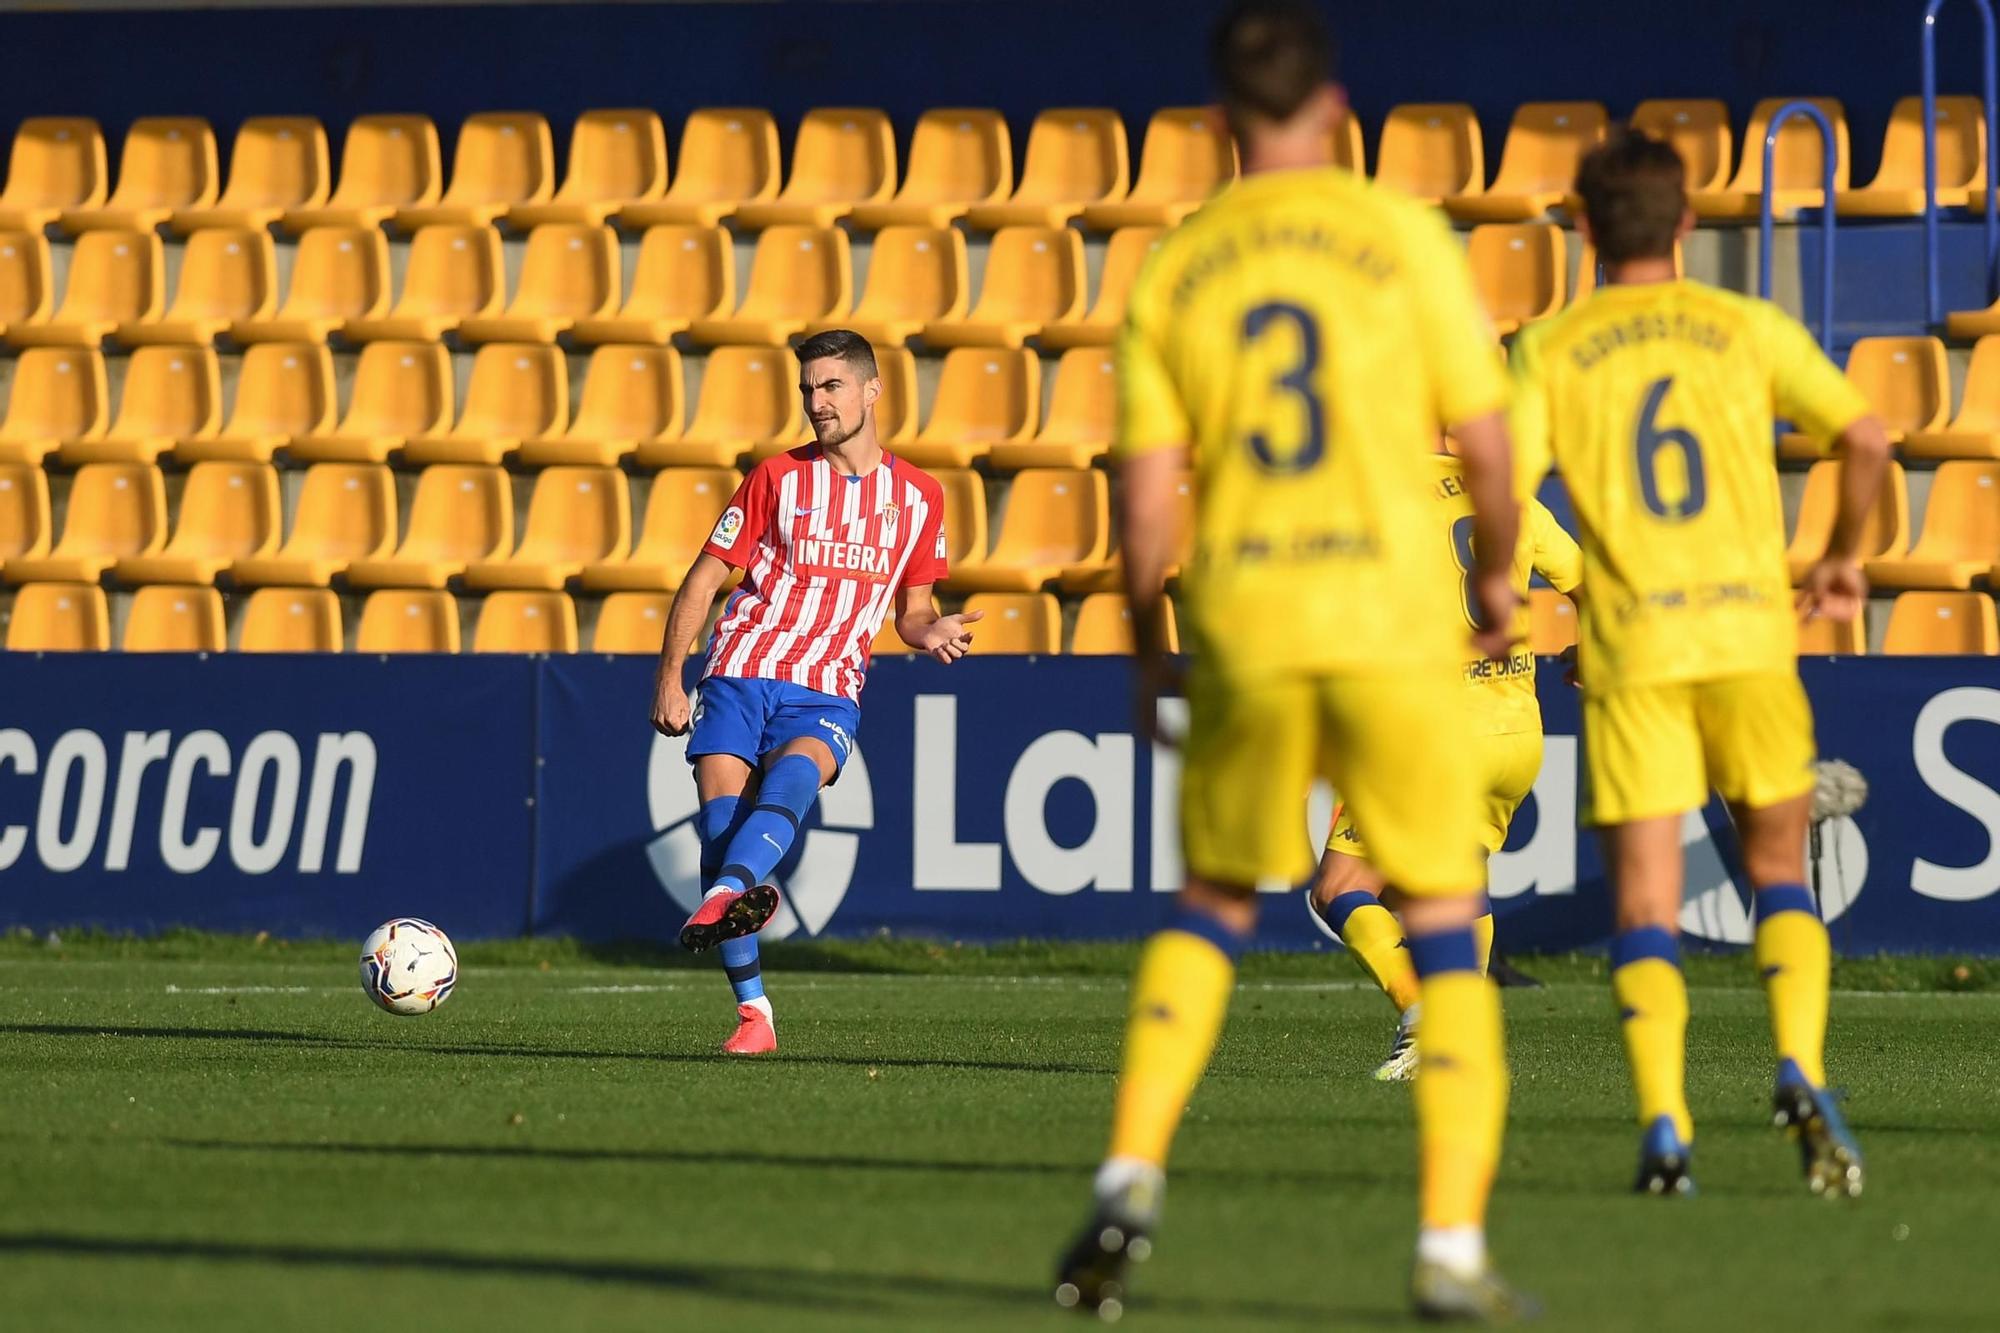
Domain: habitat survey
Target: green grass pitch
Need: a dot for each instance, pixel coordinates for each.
(221, 1137)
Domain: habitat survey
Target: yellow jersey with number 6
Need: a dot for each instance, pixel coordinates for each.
(1307, 334)
(1656, 403)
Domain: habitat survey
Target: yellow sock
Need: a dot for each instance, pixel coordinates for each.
(1461, 1092)
(1375, 938)
(1652, 1001)
(1482, 940)
(1180, 995)
(1795, 959)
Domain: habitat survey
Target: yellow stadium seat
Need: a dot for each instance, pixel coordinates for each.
(1187, 156)
(408, 620)
(1124, 253)
(1104, 626)
(1021, 622)
(59, 618)
(24, 511)
(1821, 637)
(1698, 128)
(684, 273)
(577, 516)
(631, 622)
(454, 274)
(748, 395)
(1098, 574)
(277, 163)
(1551, 622)
(965, 532)
(461, 513)
(916, 276)
(115, 277)
(887, 642)
(1432, 150)
(526, 622)
(517, 391)
(290, 620)
(400, 389)
(170, 394)
(959, 157)
(1799, 165)
(1344, 142)
(167, 619)
(1055, 519)
(283, 391)
(801, 275)
(1083, 411)
(387, 162)
(1887, 532)
(680, 513)
(1898, 188)
(1545, 142)
(227, 512)
(842, 156)
(1961, 534)
(1077, 156)
(568, 272)
(615, 158)
(346, 512)
(1521, 270)
(985, 396)
(227, 274)
(55, 163)
(1942, 624)
(729, 157)
(1975, 431)
(338, 274)
(168, 163)
(27, 284)
(502, 158)
(1906, 380)
(630, 393)
(58, 394)
(1034, 277)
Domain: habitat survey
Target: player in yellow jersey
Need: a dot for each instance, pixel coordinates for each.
(1299, 342)
(1504, 726)
(1656, 397)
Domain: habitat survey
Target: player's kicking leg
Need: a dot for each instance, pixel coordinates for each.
(1645, 860)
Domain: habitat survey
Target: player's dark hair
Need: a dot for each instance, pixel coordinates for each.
(845, 344)
(1267, 57)
(1634, 190)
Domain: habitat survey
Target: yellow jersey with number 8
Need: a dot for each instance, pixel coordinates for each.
(1656, 402)
(1307, 334)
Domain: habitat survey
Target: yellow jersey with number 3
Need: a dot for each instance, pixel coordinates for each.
(1656, 403)
(1306, 334)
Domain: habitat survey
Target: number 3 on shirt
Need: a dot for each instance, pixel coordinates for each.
(1298, 382)
(1647, 443)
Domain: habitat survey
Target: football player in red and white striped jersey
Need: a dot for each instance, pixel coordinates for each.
(831, 537)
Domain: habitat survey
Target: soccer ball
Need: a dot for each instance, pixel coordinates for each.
(408, 966)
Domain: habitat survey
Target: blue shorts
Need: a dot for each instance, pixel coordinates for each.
(750, 718)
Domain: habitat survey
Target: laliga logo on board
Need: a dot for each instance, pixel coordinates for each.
(825, 861)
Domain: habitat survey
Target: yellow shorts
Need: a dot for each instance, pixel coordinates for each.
(1396, 741)
(1653, 750)
(1508, 766)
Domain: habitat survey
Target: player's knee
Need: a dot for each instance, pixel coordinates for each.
(1235, 905)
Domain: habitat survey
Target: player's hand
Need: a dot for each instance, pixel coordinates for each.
(1155, 675)
(671, 708)
(1836, 589)
(1568, 659)
(1497, 601)
(947, 638)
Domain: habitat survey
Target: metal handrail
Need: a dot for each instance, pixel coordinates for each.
(1829, 153)
(1933, 298)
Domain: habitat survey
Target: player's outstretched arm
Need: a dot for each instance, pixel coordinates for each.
(1835, 587)
(671, 709)
(1486, 451)
(1149, 516)
(918, 624)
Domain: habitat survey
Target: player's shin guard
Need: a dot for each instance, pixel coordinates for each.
(1652, 998)
(790, 787)
(717, 822)
(1375, 938)
(1794, 958)
(1482, 936)
(1180, 995)
(1461, 1092)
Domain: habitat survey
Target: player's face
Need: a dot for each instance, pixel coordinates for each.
(836, 399)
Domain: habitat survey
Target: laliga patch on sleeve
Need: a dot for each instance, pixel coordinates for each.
(940, 542)
(727, 527)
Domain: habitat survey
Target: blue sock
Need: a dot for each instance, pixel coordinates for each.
(717, 822)
(790, 787)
